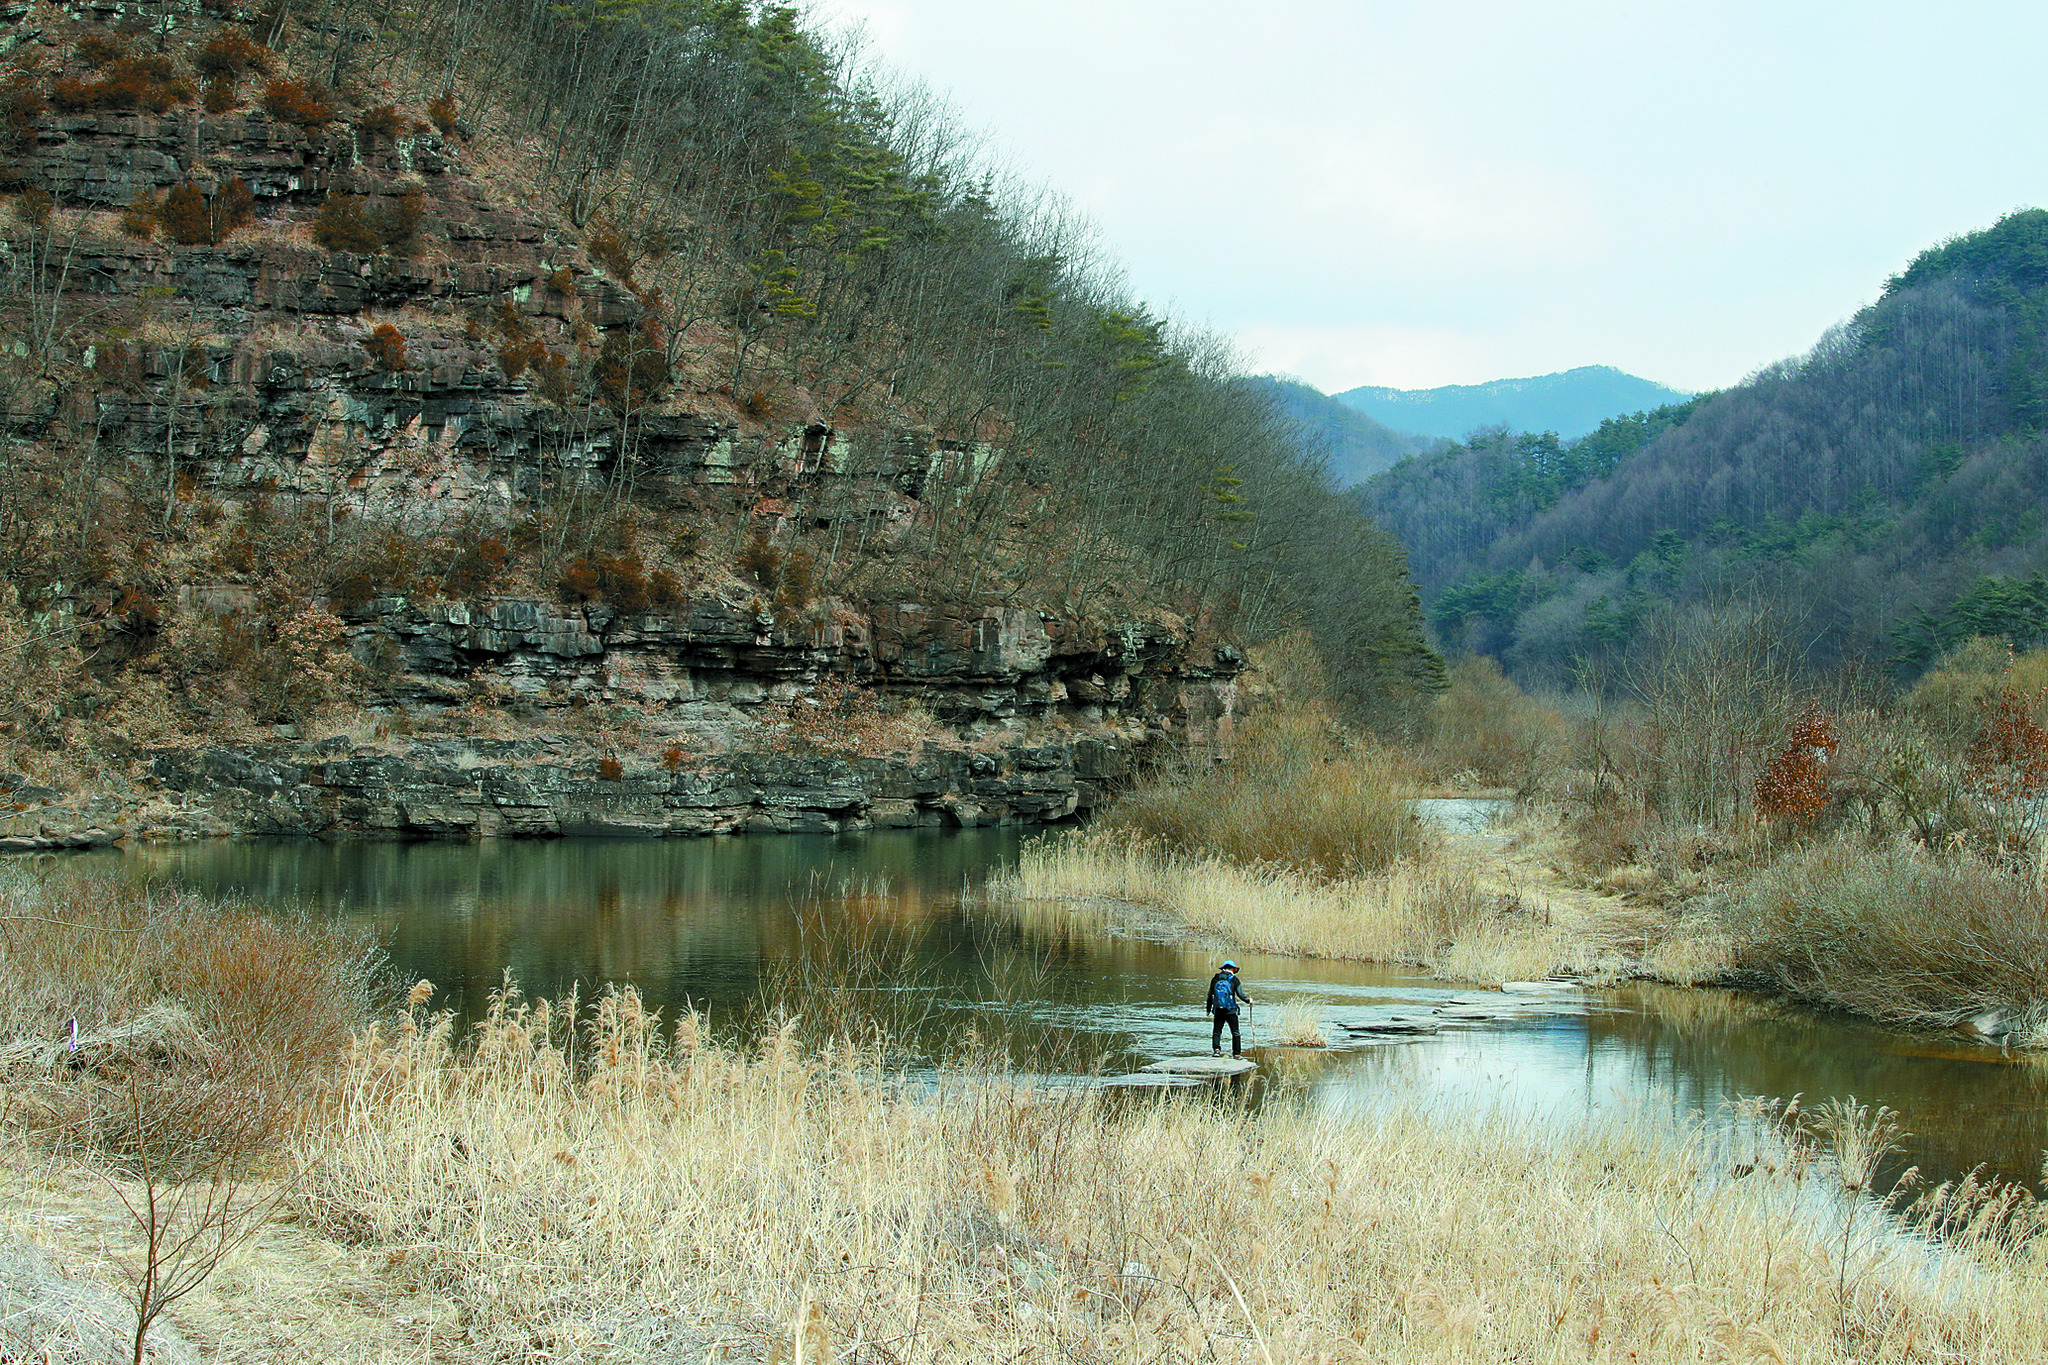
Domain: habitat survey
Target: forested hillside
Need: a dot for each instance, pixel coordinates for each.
(1351, 445)
(1887, 488)
(644, 311)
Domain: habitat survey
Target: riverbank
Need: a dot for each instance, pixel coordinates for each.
(1485, 907)
(642, 1194)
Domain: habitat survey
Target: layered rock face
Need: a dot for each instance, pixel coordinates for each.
(1043, 724)
(243, 369)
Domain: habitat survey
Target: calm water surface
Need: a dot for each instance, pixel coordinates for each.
(713, 923)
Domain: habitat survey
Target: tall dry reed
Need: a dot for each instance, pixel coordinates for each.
(658, 1197)
(1899, 934)
(223, 1017)
(1439, 915)
(1294, 793)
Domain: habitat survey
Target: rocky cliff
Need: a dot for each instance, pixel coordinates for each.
(448, 381)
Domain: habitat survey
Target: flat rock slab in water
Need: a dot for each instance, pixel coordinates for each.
(1536, 987)
(1391, 1026)
(1203, 1066)
(1157, 1080)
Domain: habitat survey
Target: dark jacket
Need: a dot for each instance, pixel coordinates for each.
(1236, 993)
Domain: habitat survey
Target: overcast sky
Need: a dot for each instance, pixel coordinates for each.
(1415, 194)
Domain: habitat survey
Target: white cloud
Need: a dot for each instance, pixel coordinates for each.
(1465, 190)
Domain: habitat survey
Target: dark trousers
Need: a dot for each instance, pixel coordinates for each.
(1221, 1018)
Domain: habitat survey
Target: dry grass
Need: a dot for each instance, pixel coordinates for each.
(1455, 915)
(1485, 731)
(1900, 935)
(1299, 1023)
(660, 1198)
(222, 1018)
(1293, 794)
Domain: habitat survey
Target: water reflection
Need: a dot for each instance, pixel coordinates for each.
(715, 923)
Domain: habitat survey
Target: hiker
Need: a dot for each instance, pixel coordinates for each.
(1225, 992)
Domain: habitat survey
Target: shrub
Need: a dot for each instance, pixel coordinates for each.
(306, 105)
(516, 356)
(761, 561)
(1897, 933)
(794, 592)
(632, 366)
(96, 50)
(441, 110)
(383, 121)
(142, 217)
(616, 577)
(561, 283)
(191, 218)
(141, 84)
(386, 345)
(348, 223)
(341, 225)
(397, 220)
(609, 769)
(234, 54)
(221, 96)
(1794, 784)
(477, 568)
(1486, 727)
(1293, 794)
(557, 382)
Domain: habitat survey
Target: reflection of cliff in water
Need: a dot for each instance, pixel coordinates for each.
(895, 926)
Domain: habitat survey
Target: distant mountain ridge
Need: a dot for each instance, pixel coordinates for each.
(1353, 447)
(1570, 403)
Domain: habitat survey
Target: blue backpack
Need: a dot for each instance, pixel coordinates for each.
(1223, 993)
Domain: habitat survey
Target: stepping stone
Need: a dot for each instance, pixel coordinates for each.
(1158, 1080)
(1392, 1026)
(1203, 1066)
(1537, 987)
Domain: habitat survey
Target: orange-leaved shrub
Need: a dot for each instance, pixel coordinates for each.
(302, 103)
(386, 345)
(441, 110)
(382, 121)
(131, 84)
(234, 54)
(192, 218)
(1794, 784)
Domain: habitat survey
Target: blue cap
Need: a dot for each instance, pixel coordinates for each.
(1231, 965)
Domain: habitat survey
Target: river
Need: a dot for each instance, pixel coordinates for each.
(897, 923)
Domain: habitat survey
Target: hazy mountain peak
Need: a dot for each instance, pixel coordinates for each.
(1570, 402)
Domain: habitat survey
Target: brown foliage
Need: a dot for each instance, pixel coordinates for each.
(2009, 759)
(96, 50)
(382, 121)
(137, 84)
(33, 207)
(632, 366)
(517, 355)
(194, 219)
(609, 769)
(306, 104)
(1794, 784)
(386, 345)
(341, 225)
(477, 568)
(441, 110)
(614, 576)
(231, 54)
(348, 223)
(221, 95)
(761, 561)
